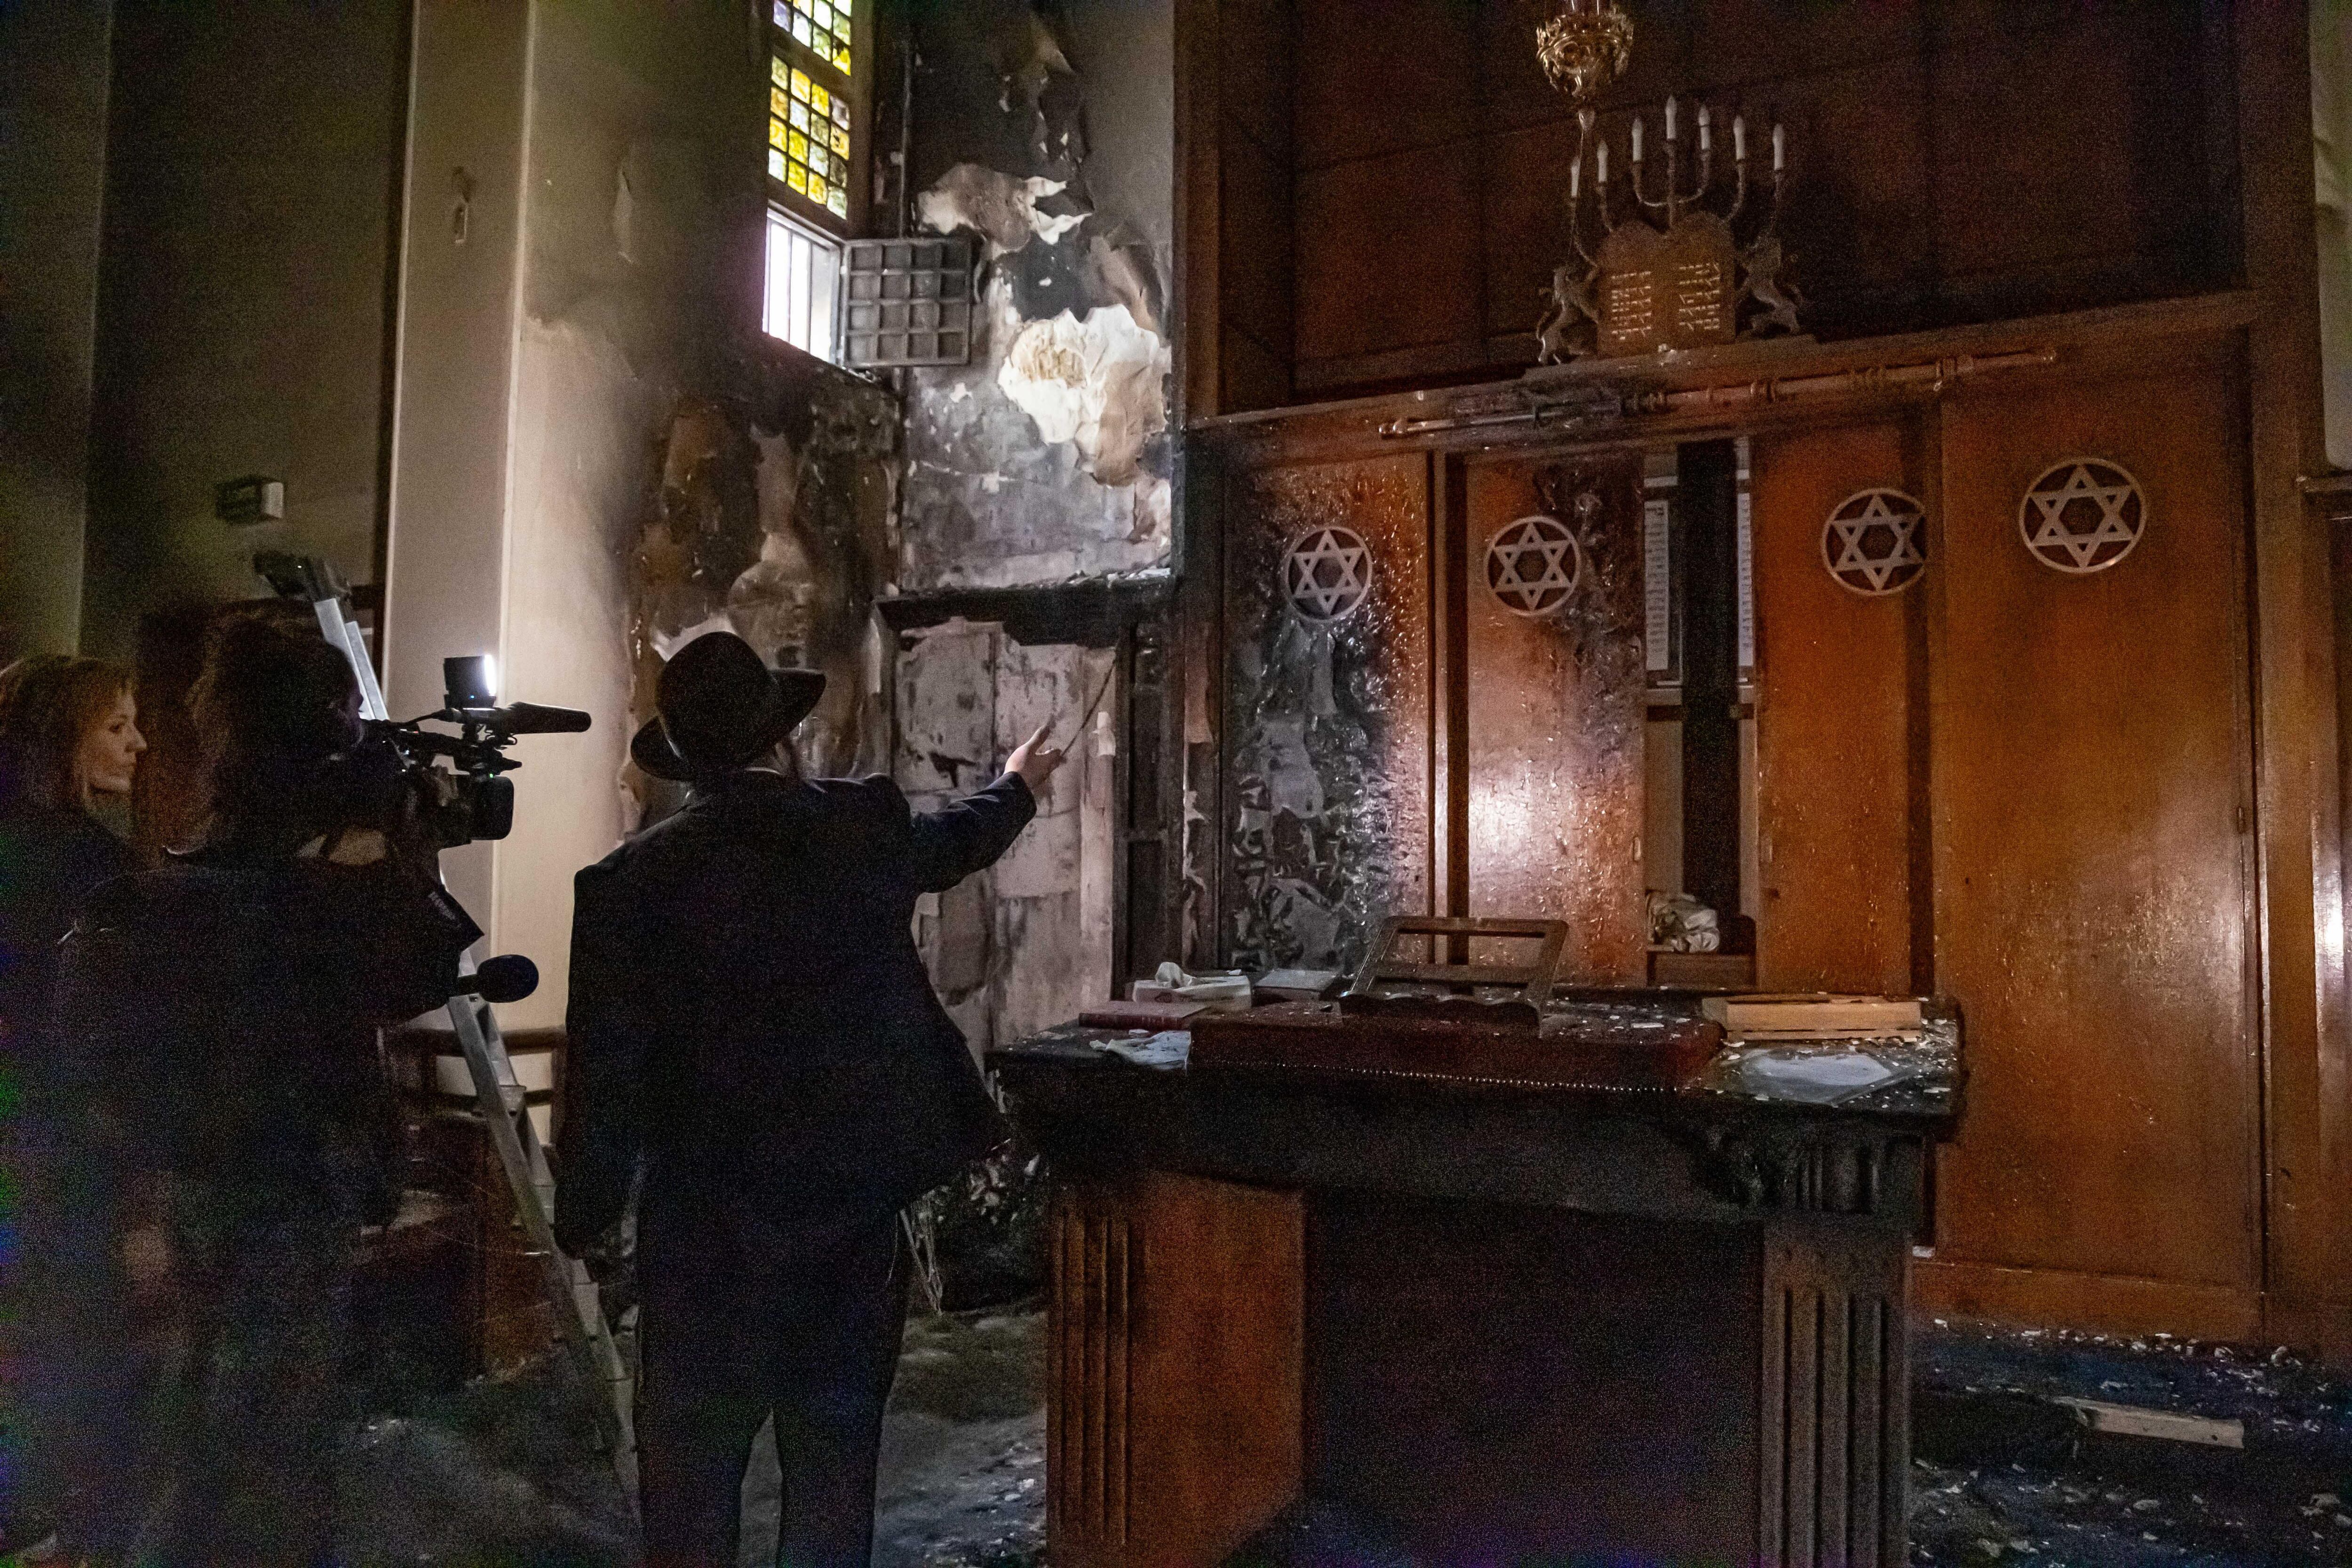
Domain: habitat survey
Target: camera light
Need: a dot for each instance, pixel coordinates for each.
(471, 682)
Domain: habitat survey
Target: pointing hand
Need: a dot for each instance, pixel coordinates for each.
(1035, 761)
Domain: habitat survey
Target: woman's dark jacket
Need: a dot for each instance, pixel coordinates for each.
(221, 1011)
(749, 1007)
(49, 861)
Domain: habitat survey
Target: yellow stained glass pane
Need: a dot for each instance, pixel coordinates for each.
(776, 133)
(838, 200)
(803, 87)
(778, 71)
(817, 188)
(775, 164)
(800, 117)
(841, 141)
(798, 147)
(780, 102)
(820, 99)
(798, 179)
(841, 60)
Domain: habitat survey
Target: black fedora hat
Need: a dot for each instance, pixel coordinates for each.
(719, 708)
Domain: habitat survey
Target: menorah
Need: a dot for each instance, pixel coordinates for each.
(1679, 283)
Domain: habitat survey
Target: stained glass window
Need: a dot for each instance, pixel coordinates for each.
(816, 152)
(812, 132)
(811, 137)
(825, 30)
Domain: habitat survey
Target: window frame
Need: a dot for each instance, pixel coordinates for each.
(824, 306)
(778, 44)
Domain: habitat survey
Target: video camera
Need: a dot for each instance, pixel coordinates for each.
(393, 771)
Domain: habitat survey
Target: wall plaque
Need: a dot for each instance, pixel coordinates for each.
(1671, 290)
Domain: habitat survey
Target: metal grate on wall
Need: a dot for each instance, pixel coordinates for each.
(905, 302)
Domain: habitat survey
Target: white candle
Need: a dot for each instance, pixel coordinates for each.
(1705, 143)
(1576, 179)
(1669, 119)
(1604, 164)
(1637, 140)
(1740, 137)
(1779, 149)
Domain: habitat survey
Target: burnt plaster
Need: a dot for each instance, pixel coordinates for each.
(1312, 710)
(1047, 458)
(771, 518)
(1092, 612)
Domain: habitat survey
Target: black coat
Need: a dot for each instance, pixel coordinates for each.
(220, 1014)
(49, 861)
(748, 1008)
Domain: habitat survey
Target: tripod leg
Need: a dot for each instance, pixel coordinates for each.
(500, 1099)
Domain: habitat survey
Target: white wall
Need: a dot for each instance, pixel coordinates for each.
(446, 570)
(611, 256)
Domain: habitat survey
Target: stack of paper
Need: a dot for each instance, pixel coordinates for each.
(1815, 1016)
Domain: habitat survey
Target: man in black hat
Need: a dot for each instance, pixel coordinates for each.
(750, 1016)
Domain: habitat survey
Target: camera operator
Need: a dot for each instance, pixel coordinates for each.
(750, 1013)
(220, 1015)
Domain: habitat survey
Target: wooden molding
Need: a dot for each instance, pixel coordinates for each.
(1598, 404)
(2099, 1303)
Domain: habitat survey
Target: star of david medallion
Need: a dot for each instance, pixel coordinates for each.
(2082, 516)
(1327, 573)
(1875, 543)
(1533, 565)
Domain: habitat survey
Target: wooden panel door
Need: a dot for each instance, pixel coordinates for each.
(1836, 672)
(2093, 898)
(1555, 720)
(1327, 708)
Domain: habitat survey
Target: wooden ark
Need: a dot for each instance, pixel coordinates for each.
(2100, 810)
(2090, 794)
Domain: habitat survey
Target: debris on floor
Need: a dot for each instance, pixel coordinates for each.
(2008, 1470)
(2011, 1466)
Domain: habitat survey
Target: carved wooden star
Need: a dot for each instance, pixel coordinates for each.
(2053, 534)
(1328, 573)
(1883, 569)
(1532, 566)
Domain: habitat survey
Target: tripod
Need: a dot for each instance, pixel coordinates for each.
(498, 1096)
(577, 1307)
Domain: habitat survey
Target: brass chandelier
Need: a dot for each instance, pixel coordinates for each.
(1584, 46)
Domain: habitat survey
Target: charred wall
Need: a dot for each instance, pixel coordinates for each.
(639, 278)
(1048, 130)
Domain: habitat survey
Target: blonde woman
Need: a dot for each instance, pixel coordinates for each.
(69, 737)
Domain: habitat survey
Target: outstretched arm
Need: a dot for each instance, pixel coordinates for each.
(969, 834)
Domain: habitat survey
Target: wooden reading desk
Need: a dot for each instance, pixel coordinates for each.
(1511, 1321)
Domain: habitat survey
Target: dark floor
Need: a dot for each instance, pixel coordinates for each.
(502, 1474)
